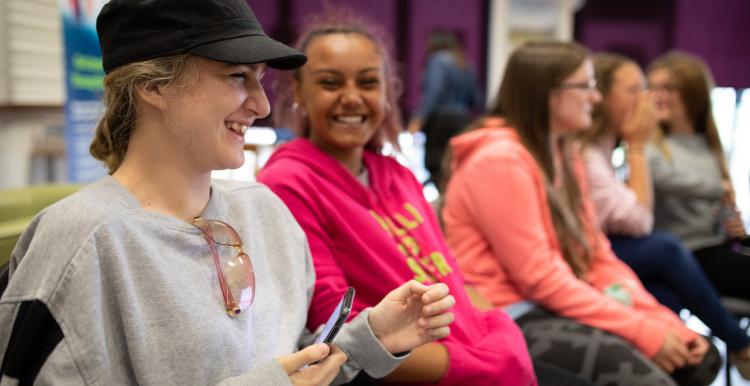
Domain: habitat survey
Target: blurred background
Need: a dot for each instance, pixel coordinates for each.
(50, 68)
(49, 77)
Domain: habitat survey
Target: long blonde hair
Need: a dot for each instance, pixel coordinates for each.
(693, 81)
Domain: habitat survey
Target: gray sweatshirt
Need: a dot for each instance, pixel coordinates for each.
(688, 193)
(137, 298)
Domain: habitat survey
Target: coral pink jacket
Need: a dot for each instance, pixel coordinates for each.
(500, 228)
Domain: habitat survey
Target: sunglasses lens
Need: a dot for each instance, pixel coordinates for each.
(240, 276)
(238, 283)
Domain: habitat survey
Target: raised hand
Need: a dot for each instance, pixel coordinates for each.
(639, 122)
(412, 315)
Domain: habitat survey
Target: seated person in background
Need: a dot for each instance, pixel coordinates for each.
(624, 210)
(518, 218)
(364, 215)
(694, 198)
(139, 278)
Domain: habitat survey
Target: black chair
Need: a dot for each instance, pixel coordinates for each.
(740, 308)
(4, 271)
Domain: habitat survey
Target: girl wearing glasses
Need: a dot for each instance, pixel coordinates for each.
(139, 278)
(624, 209)
(364, 214)
(694, 198)
(517, 216)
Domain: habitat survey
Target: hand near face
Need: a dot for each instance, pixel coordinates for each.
(301, 370)
(412, 315)
(639, 122)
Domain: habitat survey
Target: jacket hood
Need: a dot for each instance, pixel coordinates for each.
(301, 153)
(465, 145)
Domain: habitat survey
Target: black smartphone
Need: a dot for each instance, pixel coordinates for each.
(337, 318)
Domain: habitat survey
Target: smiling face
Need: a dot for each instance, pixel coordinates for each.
(209, 109)
(667, 100)
(628, 83)
(570, 105)
(342, 90)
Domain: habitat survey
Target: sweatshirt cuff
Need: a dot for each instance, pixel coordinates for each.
(650, 337)
(362, 346)
(685, 333)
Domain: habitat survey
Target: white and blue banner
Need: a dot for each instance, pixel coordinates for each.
(83, 81)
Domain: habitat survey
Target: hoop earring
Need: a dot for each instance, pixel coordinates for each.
(297, 109)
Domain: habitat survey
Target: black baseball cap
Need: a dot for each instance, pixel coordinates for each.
(224, 30)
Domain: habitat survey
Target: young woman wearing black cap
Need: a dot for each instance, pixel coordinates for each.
(139, 278)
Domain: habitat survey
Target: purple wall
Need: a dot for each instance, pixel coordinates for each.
(383, 12)
(407, 22)
(717, 31)
(466, 17)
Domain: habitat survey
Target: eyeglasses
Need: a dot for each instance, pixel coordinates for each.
(589, 85)
(659, 88)
(236, 274)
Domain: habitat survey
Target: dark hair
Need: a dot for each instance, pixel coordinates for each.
(341, 21)
(605, 66)
(533, 71)
(110, 143)
(445, 40)
(693, 81)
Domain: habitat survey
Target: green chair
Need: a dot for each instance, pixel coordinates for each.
(19, 206)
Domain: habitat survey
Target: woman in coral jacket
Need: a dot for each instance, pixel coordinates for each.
(364, 214)
(516, 217)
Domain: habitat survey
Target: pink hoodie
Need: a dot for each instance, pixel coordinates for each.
(377, 238)
(499, 225)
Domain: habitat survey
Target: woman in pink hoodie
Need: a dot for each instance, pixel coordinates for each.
(366, 220)
(517, 217)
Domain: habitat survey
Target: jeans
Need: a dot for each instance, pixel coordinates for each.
(671, 273)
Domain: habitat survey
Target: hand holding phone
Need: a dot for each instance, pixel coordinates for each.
(337, 318)
(328, 360)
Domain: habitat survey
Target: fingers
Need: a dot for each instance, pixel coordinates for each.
(673, 355)
(734, 228)
(436, 297)
(698, 349)
(665, 364)
(321, 373)
(435, 292)
(439, 306)
(329, 367)
(679, 355)
(671, 362)
(439, 333)
(311, 354)
(408, 289)
(437, 321)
